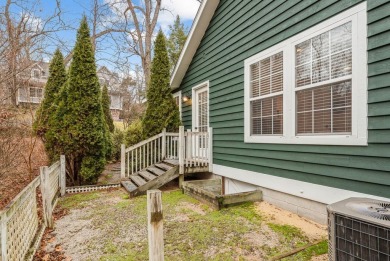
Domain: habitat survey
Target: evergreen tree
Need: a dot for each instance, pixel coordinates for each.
(57, 78)
(162, 111)
(176, 41)
(106, 108)
(80, 130)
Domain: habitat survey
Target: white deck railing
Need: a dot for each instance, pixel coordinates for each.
(191, 149)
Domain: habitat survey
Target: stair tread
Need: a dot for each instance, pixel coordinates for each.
(172, 162)
(156, 171)
(129, 186)
(147, 175)
(137, 180)
(163, 166)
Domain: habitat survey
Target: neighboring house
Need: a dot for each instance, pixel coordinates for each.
(298, 95)
(113, 82)
(32, 84)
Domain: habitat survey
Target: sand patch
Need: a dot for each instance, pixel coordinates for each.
(273, 214)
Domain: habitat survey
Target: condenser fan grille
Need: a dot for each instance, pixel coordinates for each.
(359, 240)
(377, 210)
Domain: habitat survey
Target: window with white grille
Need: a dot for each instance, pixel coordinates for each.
(266, 102)
(311, 88)
(325, 58)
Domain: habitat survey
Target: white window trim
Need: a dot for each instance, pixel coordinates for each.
(33, 75)
(178, 94)
(194, 105)
(358, 137)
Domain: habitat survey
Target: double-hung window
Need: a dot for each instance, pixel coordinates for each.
(311, 88)
(266, 95)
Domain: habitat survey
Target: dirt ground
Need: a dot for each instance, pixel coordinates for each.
(110, 226)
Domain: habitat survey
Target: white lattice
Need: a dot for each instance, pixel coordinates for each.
(21, 223)
(79, 189)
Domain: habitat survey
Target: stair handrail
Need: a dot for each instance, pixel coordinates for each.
(139, 144)
(177, 146)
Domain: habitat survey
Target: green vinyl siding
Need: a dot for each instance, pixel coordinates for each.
(241, 29)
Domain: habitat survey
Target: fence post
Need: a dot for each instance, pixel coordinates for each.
(3, 233)
(62, 175)
(46, 201)
(123, 161)
(155, 225)
(210, 149)
(181, 155)
(164, 144)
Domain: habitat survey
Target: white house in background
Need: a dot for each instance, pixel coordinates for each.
(113, 82)
(32, 84)
(34, 80)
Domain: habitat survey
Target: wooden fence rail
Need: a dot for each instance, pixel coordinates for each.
(20, 227)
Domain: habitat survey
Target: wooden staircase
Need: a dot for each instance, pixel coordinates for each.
(152, 177)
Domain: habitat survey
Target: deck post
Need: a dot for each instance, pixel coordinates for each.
(181, 155)
(123, 161)
(155, 225)
(164, 144)
(62, 175)
(210, 149)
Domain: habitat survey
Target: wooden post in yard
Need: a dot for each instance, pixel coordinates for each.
(155, 225)
(46, 201)
(181, 155)
(164, 144)
(62, 175)
(123, 161)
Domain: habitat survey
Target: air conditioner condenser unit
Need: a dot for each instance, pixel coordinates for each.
(359, 229)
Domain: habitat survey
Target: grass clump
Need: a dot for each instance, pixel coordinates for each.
(290, 233)
(78, 200)
(307, 254)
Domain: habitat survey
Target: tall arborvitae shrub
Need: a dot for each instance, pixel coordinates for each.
(106, 109)
(176, 41)
(81, 130)
(57, 78)
(162, 111)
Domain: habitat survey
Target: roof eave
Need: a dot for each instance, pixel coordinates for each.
(198, 29)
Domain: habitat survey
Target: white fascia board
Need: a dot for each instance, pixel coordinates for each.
(198, 29)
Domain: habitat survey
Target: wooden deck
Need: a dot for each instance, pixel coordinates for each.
(209, 192)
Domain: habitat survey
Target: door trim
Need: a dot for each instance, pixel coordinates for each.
(206, 85)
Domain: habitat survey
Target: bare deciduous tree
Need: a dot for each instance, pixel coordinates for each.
(133, 91)
(126, 29)
(23, 38)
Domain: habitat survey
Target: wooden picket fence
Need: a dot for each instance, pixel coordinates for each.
(20, 227)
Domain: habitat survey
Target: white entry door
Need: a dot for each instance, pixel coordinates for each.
(200, 110)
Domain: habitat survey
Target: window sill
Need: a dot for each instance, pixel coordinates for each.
(337, 140)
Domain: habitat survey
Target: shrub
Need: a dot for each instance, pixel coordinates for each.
(117, 139)
(133, 133)
(162, 111)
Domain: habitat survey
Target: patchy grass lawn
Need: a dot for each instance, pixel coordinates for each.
(110, 226)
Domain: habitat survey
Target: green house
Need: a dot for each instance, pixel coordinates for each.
(297, 94)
